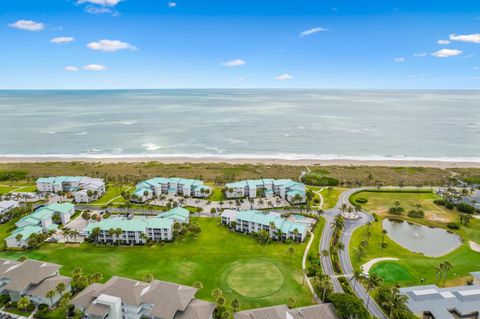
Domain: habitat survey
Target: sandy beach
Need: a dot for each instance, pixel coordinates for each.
(267, 161)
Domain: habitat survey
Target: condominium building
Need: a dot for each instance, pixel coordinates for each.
(5, 207)
(253, 221)
(122, 298)
(33, 279)
(170, 186)
(83, 188)
(284, 188)
(42, 220)
(432, 302)
(322, 311)
(138, 229)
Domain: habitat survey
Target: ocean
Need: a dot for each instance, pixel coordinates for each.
(242, 123)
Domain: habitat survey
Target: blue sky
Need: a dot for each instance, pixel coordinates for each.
(105, 44)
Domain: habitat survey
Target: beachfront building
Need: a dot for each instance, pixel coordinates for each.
(122, 298)
(5, 207)
(33, 279)
(43, 220)
(138, 229)
(84, 189)
(322, 311)
(284, 188)
(170, 186)
(432, 302)
(279, 228)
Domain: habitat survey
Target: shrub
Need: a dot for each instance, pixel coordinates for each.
(465, 208)
(361, 200)
(12, 175)
(449, 205)
(316, 200)
(42, 307)
(441, 202)
(317, 179)
(453, 225)
(416, 214)
(396, 210)
(375, 217)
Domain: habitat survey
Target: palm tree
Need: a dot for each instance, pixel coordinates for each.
(19, 237)
(325, 253)
(148, 278)
(50, 294)
(384, 232)
(217, 292)
(291, 250)
(373, 282)
(74, 233)
(96, 277)
(111, 232)
(357, 275)
(235, 304)
(60, 288)
(198, 285)
(446, 267)
(23, 304)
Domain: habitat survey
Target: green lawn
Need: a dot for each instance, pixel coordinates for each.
(380, 201)
(113, 192)
(330, 198)
(391, 272)
(411, 267)
(218, 258)
(217, 194)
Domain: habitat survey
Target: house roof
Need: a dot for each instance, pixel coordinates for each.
(323, 311)
(47, 285)
(7, 204)
(175, 213)
(265, 219)
(28, 272)
(137, 223)
(167, 299)
(25, 231)
(440, 301)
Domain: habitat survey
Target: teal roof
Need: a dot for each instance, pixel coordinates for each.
(46, 180)
(296, 192)
(177, 212)
(140, 191)
(138, 224)
(159, 223)
(62, 208)
(259, 217)
(29, 220)
(25, 231)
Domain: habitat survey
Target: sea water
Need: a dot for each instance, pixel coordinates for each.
(257, 123)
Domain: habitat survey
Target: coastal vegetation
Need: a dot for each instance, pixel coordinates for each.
(220, 173)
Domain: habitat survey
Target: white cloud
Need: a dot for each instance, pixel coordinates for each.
(284, 77)
(420, 54)
(234, 63)
(399, 59)
(60, 40)
(71, 68)
(94, 67)
(105, 3)
(28, 25)
(443, 42)
(99, 10)
(312, 31)
(172, 4)
(445, 53)
(473, 38)
(110, 46)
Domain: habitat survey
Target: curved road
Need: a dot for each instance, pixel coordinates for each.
(344, 256)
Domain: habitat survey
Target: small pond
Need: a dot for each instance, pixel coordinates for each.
(429, 241)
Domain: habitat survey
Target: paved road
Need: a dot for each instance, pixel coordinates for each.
(344, 256)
